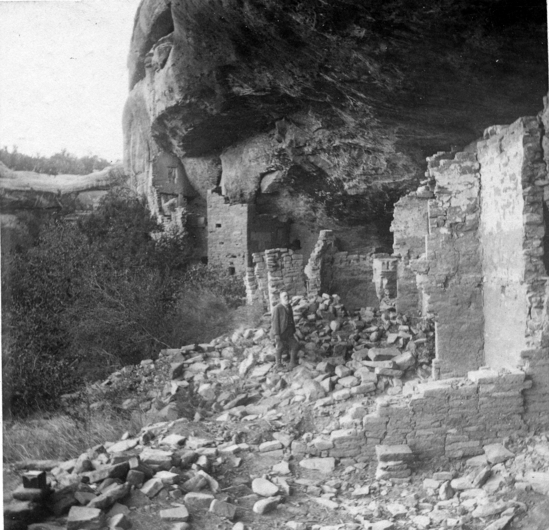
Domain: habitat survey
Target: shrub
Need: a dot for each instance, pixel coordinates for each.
(93, 296)
(62, 437)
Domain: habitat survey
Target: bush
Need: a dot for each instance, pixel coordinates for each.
(93, 296)
(62, 437)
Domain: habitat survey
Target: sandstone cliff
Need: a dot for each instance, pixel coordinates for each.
(319, 114)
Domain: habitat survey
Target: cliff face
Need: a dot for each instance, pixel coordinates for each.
(320, 113)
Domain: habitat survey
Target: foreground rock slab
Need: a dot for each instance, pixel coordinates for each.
(84, 518)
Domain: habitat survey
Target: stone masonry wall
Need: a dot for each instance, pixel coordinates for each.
(511, 234)
(536, 359)
(450, 274)
(325, 246)
(347, 274)
(275, 270)
(228, 232)
(410, 227)
(452, 418)
(352, 279)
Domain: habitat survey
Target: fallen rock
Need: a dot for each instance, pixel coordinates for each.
(282, 468)
(117, 471)
(120, 521)
(488, 509)
(152, 487)
(223, 509)
(496, 453)
(266, 447)
(266, 505)
(324, 465)
(110, 496)
(197, 500)
(84, 518)
(393, 453)
(175, 514)
(264, 487)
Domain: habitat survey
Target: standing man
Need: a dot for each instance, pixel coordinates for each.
(282, 331)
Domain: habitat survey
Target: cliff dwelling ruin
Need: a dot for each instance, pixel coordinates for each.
(320, 187)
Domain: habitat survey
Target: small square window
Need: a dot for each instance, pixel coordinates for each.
(218, 225)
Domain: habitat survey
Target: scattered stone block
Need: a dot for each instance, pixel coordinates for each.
(264, 487)
(175, 514)
(266, 505)
(118, 508)
(167, 477)
(392, 453)
(497, 453)
(117, 471)
(120, 521)
(324, 465)
(198, 500)
(110, 496)
(124, 445)
(157, 458)
(84, 497)
(135, 477)
(282, 468)
(152, 487)
(383, 354)
(223, 509)
(266, 447)
(327, 503)
(84, 518)
(173, 440)
(35, 480)
(445, 492)
(383, 525)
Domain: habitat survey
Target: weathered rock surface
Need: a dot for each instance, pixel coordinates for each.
(322, 113)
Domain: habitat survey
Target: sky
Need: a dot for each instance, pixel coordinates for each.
(63, 76)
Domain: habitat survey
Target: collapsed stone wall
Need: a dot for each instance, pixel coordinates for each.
(350, 275)
(275, 270)
(481, 274)
(449, 269)
(452, 418)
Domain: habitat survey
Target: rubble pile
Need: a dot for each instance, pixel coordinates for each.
(231, 443)
(343, 355)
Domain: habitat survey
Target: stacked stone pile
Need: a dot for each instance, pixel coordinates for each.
(394, 462)
(342, 356)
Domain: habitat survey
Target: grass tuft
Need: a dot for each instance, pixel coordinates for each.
(62, 437)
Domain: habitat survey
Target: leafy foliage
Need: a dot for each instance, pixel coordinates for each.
(92, 296)
(59, 163)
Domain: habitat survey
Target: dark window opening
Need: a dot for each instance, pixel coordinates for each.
(232, 271)
(204, 260)
(218, 225)
(295, 244)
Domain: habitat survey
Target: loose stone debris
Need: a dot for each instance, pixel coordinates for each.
(230, 443)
